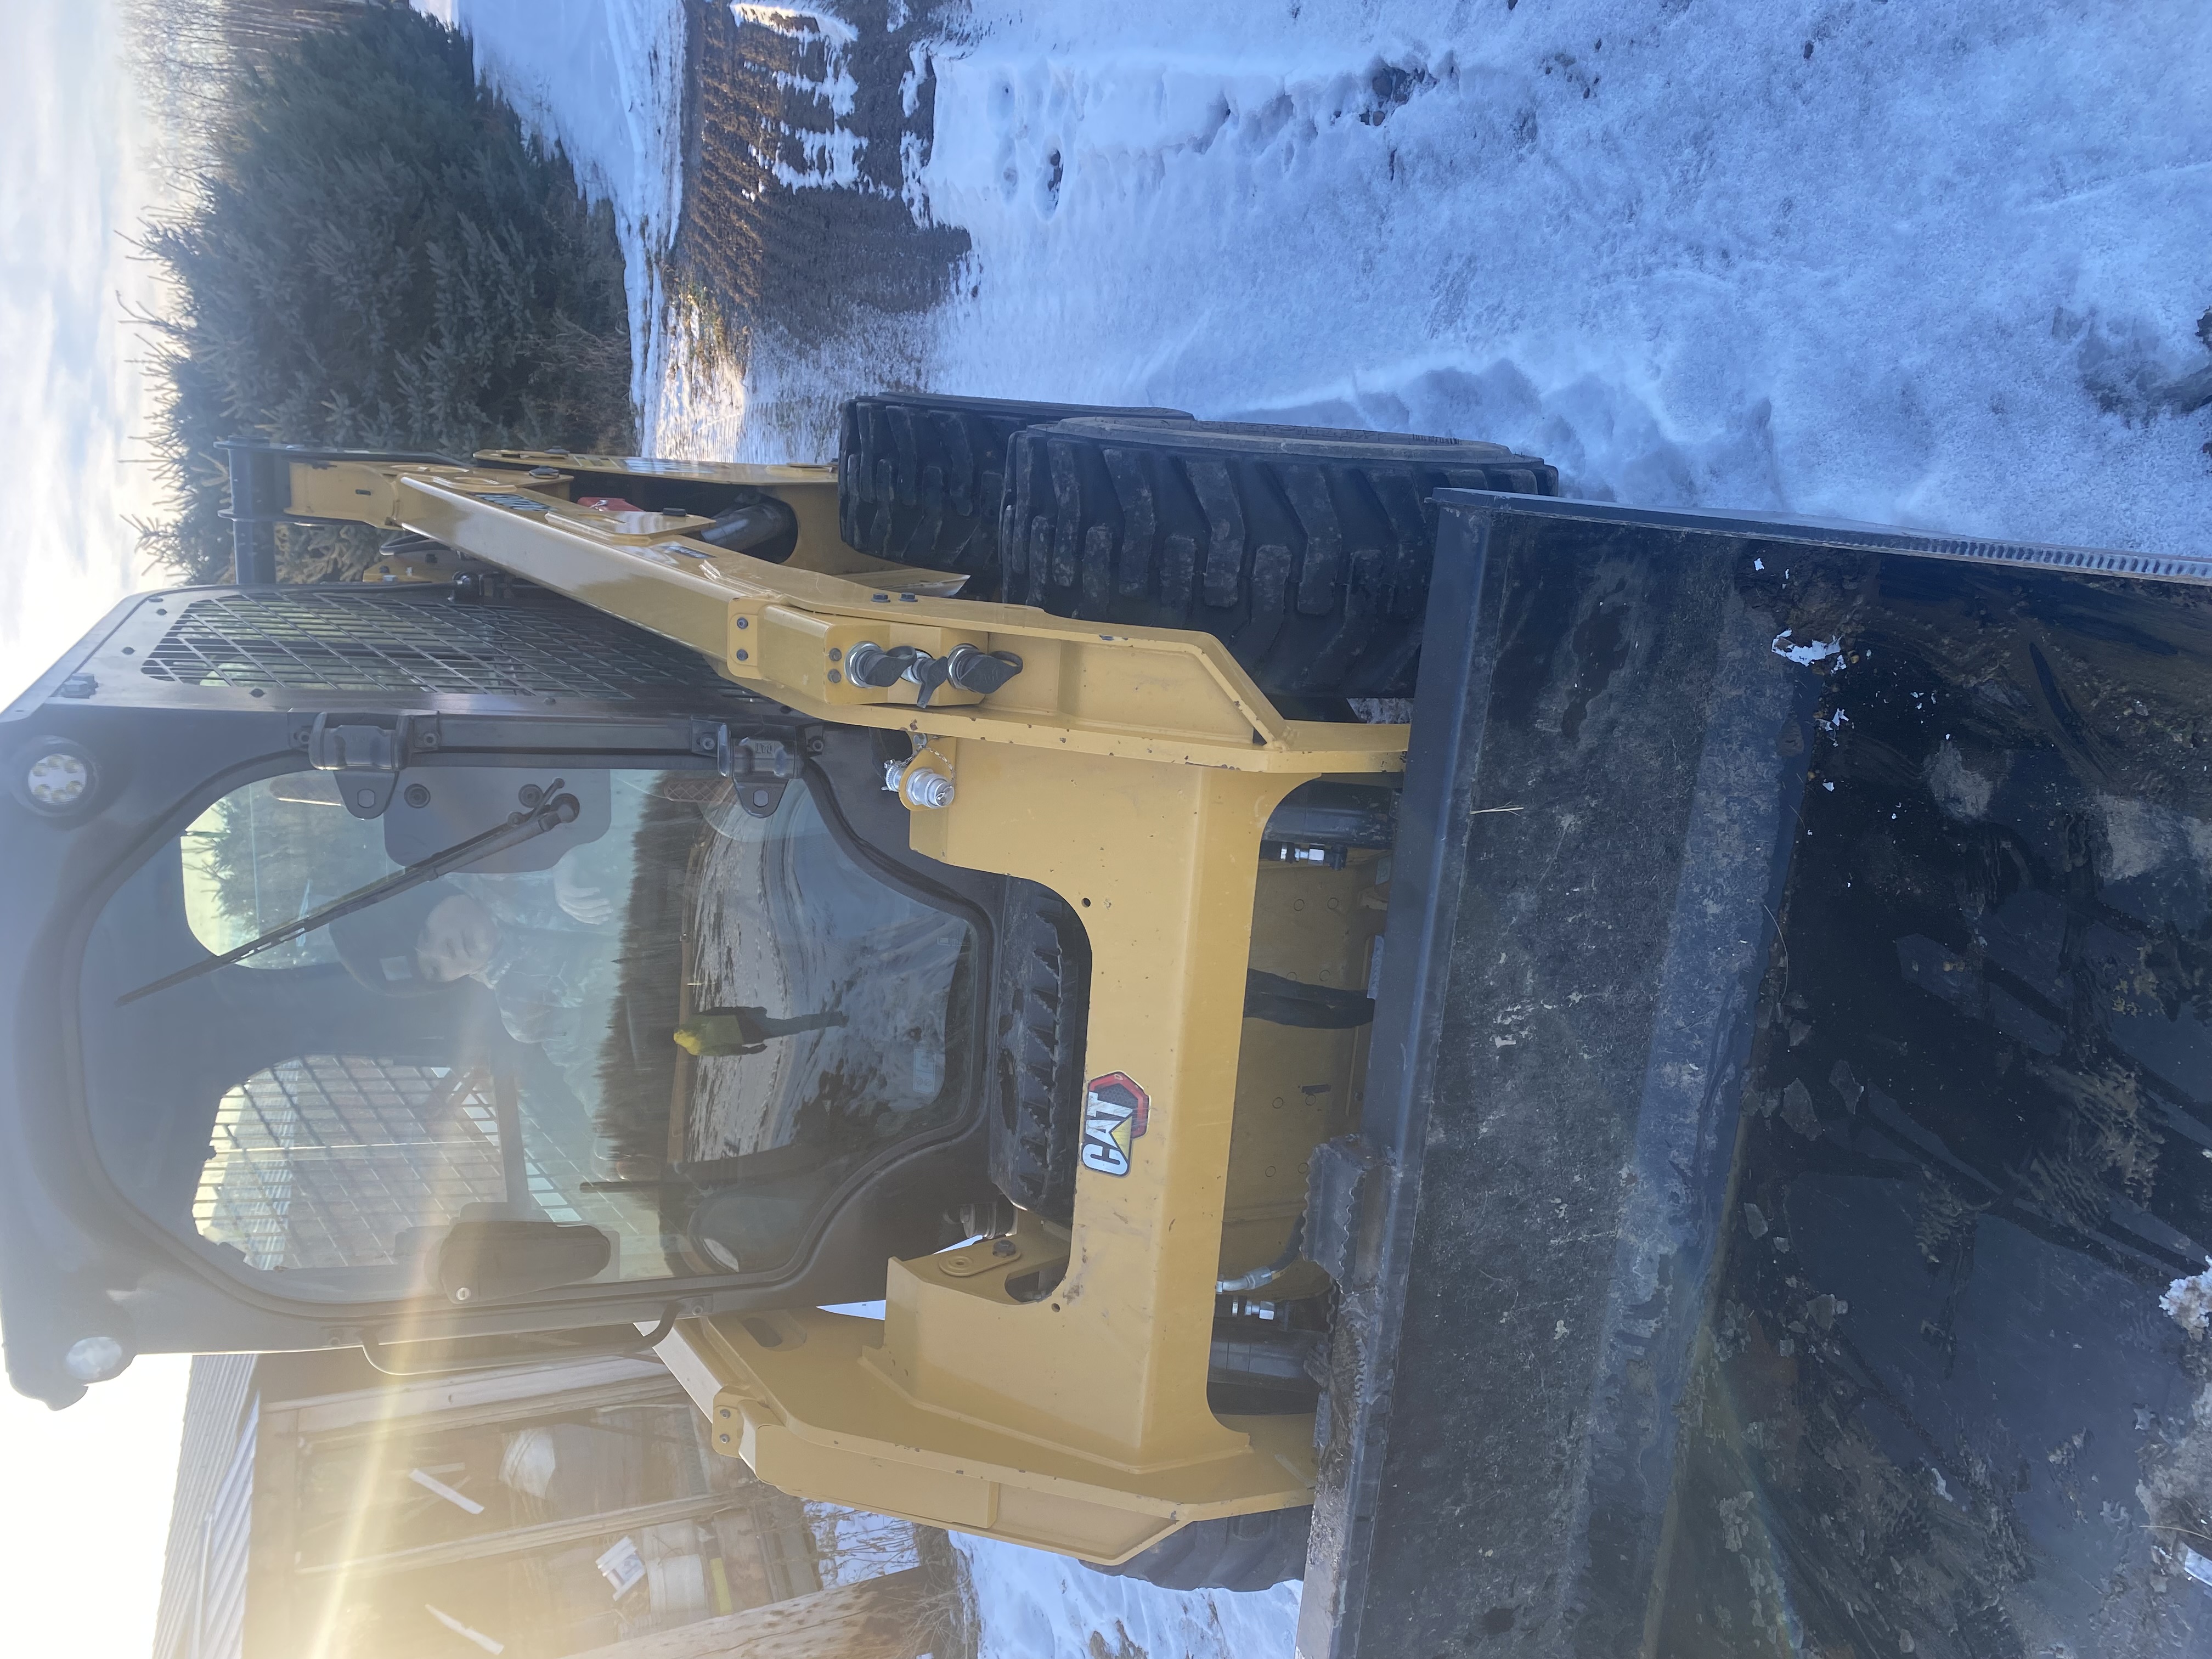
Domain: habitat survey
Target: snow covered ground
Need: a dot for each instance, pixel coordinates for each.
(1035, 1606)
(1920, 262)
(1930, 264)
(1936, 264)
(1933, 264)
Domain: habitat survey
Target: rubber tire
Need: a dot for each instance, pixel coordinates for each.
(1239, 1553)
(1305, 549)
(1041, 1004)
(920, 477)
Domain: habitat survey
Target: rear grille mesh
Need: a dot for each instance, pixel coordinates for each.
(378, 640)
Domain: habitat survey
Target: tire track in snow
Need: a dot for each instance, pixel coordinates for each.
(1129, 119)
(1923, 265)
(1140, 146)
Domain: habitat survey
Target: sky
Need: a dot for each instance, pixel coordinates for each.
(72, 402)
(84, 1513)
(84, 1495)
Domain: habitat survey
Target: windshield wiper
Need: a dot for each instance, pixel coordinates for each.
(555, 810)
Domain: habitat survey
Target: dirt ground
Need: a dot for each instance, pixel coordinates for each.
(808, 261)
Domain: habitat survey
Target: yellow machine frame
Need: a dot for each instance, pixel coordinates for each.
(1132, 771)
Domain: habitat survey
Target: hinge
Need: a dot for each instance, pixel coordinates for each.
(760, 767)
(365, 752)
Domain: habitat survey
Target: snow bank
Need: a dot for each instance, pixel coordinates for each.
(1035, 1606)
(1936, 265)
(694, 401)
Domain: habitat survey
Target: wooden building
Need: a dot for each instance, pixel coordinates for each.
(324, 1511)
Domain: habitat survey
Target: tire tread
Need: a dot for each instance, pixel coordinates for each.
(1306, 550)
(1040, 1008)
(920, 478)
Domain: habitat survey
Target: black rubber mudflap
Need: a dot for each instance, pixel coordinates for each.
(1786, 1165)
(1241, 1552)
(1306, 549)
(920, 477)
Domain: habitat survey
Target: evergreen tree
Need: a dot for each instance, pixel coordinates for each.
(379, 257)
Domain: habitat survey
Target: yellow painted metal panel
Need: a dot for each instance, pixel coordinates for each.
(1154, 694)
(1131, 770)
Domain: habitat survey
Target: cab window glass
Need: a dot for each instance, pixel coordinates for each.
(263, 856)
(332, 1161)
(681, 1025)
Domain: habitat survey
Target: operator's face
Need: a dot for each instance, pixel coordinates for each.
(458, 939)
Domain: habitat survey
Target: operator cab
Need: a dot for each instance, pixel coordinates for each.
(434, 970)
(504, 1038)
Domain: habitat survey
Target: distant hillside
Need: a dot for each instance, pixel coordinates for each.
(367, 251)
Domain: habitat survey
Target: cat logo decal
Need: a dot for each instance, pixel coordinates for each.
(1113, 1112)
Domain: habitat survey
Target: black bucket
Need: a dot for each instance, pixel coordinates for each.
(1789, 1145)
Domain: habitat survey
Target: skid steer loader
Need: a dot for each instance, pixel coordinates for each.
(1588, 1080)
